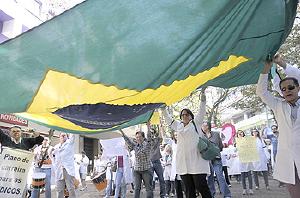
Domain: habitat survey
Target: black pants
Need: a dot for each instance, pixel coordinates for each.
(179, 187)
(193, 182)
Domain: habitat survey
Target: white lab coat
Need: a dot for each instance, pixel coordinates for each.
(262, 164)
(188, 157)
(288, 141)
(84, 162)
(64, 158)
(173, 170)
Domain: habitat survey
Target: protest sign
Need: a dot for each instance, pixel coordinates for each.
(233, 161)
(113, 147)
(247, 149)
(14, 167)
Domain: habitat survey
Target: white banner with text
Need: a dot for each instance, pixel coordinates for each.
(14, 167)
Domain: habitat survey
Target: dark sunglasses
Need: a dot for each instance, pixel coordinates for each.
(185, 114)
(289, 87)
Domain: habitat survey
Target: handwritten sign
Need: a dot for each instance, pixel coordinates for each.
(14, 167)
(247, 149)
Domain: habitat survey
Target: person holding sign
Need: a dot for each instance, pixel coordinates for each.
(15, 139)
(286, 112)
(245, 167)
(64, 165)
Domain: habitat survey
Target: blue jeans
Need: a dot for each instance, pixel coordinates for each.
(216, 167)
(120, 183)
(146, 176)
(47, 171)
(157, 167)
(108, 188)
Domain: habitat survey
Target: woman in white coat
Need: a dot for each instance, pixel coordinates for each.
(287, 114)
(179, 188)
(262, 164)
(246, 169)
(190, 165)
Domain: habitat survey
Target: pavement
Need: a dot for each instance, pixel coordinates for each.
(236, 190)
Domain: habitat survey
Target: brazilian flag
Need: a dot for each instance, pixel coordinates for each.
(105, 65)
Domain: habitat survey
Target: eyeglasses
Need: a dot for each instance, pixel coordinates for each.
(185, 114)
(289, 87)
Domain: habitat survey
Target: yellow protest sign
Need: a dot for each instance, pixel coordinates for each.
(247, 149)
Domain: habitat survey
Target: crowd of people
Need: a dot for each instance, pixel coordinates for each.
(179, 166)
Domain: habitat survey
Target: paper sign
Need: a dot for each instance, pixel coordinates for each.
(14, 167)
(247, 149)
(113, 147)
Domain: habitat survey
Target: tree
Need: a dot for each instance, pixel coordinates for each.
(216, 96)
(290, 51)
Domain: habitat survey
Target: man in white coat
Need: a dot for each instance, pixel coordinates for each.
(64, 165)
(84, 163)
(286, 112)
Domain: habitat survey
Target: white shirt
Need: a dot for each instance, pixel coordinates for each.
(84, 162)
(188, 157)
(64, 158)
(289, 138)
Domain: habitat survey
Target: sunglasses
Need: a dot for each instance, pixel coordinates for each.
(185, 114)
(289, 87)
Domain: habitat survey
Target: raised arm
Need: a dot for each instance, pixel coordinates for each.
(202, 110)
(128, 141)
(262, 87)
(174, 124)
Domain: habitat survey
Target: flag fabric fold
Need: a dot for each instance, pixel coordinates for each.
(106, 65)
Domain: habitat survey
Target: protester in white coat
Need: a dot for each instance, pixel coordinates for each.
(174, 176)
(123, 175)
(167, 164)
(64, 165)
(262, 164)
(246, 169)
(190, 165)
(83, 163)
(286, 113)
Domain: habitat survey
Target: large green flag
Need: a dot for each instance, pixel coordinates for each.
(105, 65)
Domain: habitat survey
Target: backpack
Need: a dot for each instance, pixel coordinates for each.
(208, 150)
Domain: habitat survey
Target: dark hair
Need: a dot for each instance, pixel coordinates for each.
(140, 132)
(188, 111)
(274, 125)
(208, 125)
(289, 78)
(238, 132)
(255, 130)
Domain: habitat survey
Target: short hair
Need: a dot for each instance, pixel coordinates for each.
(238, 132)
(274, 125)
(289, 78)
(16, 126)
(140, 132)
(188, 111)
